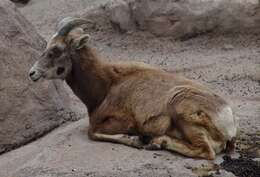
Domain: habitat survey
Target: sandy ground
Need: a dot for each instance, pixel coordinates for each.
(228, 64)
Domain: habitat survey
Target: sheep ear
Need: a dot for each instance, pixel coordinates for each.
(80, 42)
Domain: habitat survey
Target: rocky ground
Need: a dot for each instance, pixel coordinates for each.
(229, 64)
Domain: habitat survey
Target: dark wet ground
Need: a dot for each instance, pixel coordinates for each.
(248, 164)
(242, 167)
(245, 164)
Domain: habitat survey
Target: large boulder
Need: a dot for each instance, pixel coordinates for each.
(186, 18)
(27, 110)
(120, 15)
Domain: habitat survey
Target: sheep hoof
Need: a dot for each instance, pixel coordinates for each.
(153, 146)
(136, 142)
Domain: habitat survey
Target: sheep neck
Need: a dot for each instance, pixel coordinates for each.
(88, 78)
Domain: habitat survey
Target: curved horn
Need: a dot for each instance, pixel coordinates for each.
(68, 23)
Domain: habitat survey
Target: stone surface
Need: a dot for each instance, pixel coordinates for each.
(67, 152)
(187, 18)
(27, 110)
(120, 15)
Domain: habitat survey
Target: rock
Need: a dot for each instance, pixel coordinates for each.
(120, 15)
(187, 18)
(27, 110)
(50, 156)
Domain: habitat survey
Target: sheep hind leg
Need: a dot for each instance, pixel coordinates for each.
(180, 146)
(133, 141)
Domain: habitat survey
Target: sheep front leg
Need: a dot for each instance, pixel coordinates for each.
(113, 125)
(133, 141)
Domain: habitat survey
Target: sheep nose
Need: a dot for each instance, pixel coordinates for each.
(34, 75)
(31, 73)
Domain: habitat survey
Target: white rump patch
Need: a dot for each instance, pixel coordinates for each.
(226, 123)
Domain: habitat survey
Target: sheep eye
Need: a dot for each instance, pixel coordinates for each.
(55, 53)
(50, 55)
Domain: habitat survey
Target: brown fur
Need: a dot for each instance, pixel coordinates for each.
(138, 99)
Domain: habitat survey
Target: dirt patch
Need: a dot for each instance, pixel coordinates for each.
(247, 163)
(205, 170)
(242, 167)
(248, 146)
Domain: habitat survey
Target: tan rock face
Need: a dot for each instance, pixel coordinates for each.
(186, 18)
(120, 15)
(27, 110)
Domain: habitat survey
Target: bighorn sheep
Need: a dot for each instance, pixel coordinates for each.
(134, 103)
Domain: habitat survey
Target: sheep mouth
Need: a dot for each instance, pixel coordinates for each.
(35, 78)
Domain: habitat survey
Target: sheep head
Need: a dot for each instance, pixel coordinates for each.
(55, 62)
